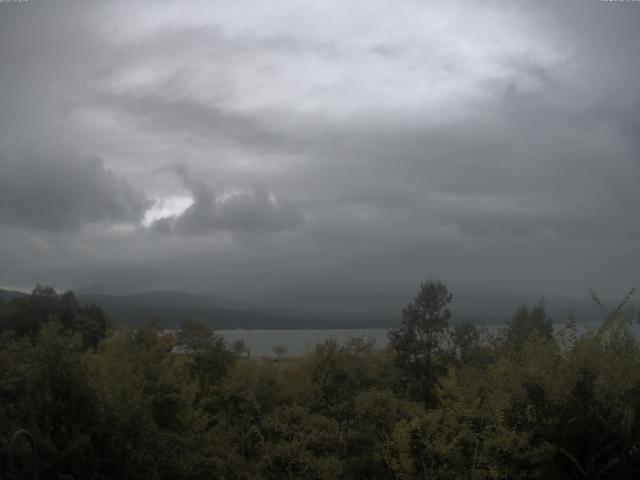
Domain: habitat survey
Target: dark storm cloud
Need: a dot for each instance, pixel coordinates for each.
(254, 210)
(179, 116)
(51, 192)
(344, 150)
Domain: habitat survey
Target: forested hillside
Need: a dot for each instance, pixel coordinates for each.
(443, 400)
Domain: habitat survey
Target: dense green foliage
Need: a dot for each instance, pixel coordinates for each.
(440, 401)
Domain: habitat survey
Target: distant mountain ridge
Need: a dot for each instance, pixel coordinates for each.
(169, 308)
(7, 295)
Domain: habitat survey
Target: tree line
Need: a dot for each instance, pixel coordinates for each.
(443, 400)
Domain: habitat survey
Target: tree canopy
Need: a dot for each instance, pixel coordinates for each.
(440, 401)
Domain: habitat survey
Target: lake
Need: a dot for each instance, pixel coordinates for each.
(297, 342)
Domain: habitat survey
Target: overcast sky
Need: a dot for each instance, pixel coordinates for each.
(320, 153)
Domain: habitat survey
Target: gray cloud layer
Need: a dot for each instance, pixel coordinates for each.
(255, 210)
(49, 192)
(349, 152)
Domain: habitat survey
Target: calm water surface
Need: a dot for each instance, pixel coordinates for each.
(297, 342)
